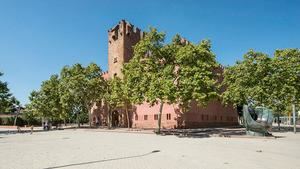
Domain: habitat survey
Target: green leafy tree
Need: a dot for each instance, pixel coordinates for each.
(45, 103)
(248, 80)
(29, 115)
(81, 87)
(285, 81)
(121, 94)
(178, 72)
(156, 73)
(5, 97)
(271, 82)
(8, 103)
(196, 73)
(112, 97)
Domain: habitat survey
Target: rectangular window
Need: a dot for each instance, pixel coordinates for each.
(145, 117)
(169, 116)
(155, 116)
(202, 117)
(215, 118)
(221, 118)
(136, 117)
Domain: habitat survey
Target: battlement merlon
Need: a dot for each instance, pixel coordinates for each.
(184, 41)
(124, 28)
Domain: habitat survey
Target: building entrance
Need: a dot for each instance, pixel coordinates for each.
(115, 119)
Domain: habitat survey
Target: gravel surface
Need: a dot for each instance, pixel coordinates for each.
(84, 149)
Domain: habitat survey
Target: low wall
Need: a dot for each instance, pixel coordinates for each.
(8, 127)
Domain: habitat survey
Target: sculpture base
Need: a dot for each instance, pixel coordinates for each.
(253, 133)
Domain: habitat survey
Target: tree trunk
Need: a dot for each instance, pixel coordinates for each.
(108, 118)
(78, 122)
(90, 118)
(159, 117)
(15, 121)
(278, 121)
(127, 114)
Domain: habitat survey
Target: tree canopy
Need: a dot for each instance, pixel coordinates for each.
(177, 72)
(73, 92)
(7, 100)
(263, 80)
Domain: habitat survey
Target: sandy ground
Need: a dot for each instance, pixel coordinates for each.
(93, 149)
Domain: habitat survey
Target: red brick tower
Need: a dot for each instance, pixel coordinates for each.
(121, 40)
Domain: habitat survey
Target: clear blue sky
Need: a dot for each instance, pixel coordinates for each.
(37, 38)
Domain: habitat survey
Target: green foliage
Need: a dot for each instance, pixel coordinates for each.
(46, 101)
(74, 91)
(178, 72)
(196, 74)
(7, 100)
(31, 118)
(272, 82)
(172, 73)
(285, 80)
(248, 79)
(81, 87)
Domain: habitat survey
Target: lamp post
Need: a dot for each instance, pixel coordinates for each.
(294, 117)
(17, 113)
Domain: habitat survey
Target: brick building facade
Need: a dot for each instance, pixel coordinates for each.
(121, 40)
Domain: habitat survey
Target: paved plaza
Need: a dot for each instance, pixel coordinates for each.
(101, 149)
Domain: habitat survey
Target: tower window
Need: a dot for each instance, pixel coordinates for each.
(114, 37)
(115, 60)
(145, 117)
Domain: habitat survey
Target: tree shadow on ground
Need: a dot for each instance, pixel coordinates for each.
(205, 132)
(221, 132)
(101, 161)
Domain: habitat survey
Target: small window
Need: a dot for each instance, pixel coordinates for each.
(115, 75)
(145, 117)
(136, 117)
(221, 118)
(202, 117)
(115, 60)
(169, 116)
(155, 116)
(216, 118)
(206, 117)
